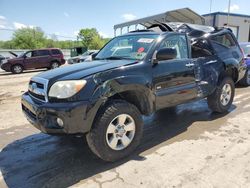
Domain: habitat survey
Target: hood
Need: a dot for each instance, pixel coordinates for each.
(81, 70)
(14, 59)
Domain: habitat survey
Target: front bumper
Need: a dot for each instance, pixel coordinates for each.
(44, 115)
(5, 67)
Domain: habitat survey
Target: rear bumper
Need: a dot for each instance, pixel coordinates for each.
(44, 116)
(63, 61)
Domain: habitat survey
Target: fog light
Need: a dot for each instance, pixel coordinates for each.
(59, 122)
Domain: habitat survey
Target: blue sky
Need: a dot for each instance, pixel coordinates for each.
(65, 17)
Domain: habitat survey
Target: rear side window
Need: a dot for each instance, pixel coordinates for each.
(223, 41)
(56, 52)
(43, 52)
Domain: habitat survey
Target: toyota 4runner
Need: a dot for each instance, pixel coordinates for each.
(163, 66)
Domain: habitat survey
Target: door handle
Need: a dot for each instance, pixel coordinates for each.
(189, 65)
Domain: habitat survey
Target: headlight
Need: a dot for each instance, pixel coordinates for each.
(66, 89)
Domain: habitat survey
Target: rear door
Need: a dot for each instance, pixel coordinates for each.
(174, 80)
(43, 58)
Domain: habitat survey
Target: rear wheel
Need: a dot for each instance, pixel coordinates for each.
(222, 98)
(116, 132)
(54, 65)
(16, 69)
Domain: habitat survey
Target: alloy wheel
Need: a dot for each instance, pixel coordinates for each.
(120, 132)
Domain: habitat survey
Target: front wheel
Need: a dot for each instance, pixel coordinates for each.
(222, 98)
(116, 132)
(16, 69)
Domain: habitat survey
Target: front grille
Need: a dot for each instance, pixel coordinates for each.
(38, 88)
(41, 97)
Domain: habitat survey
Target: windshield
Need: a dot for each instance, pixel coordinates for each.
(246, 49)
(21, 55)
(127, 47)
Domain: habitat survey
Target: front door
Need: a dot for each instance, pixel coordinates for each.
(37, 59)
(174, 80)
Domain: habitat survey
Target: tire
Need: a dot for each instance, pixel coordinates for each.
(245, 81)
(16, 69)
(222, 98)
(101, 142)
(54, 65)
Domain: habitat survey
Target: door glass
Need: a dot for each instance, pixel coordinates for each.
(34, 54)
(43, 53)
(178, 42)
(28, 54)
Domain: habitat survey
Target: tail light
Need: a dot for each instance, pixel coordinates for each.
(61, 56)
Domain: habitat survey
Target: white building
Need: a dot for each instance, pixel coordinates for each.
(240, 24)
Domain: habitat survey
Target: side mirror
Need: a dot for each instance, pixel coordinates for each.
(166, 54)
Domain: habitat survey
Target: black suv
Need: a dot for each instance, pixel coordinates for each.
(133, 75)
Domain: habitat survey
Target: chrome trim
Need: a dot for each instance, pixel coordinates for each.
(38, 91)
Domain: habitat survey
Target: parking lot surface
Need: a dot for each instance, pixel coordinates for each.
(189, 147)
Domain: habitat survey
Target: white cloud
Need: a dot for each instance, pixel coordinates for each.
(21, 25)
(66, 14)
(104, 35)
(3, 22)
(128, 17)
(2, 27)
(2, 18)
(233, 8)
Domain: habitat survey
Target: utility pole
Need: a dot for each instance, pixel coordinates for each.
(228, 15)
(211, 3)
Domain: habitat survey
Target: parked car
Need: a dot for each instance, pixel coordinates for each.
(85, 56)
(246, 49)
(35, 59)
(89, 58)
(105, 99)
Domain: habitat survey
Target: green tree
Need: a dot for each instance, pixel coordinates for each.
(29, 38)
(91, 39)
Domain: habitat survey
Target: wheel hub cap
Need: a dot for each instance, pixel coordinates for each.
(226, 94)
(120, 132)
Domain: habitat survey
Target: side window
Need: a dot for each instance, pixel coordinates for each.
(28, 54)
(178, 42)
(43, 53)
(56, 52)
(34, 54)
(223, 42)
(201, 48)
